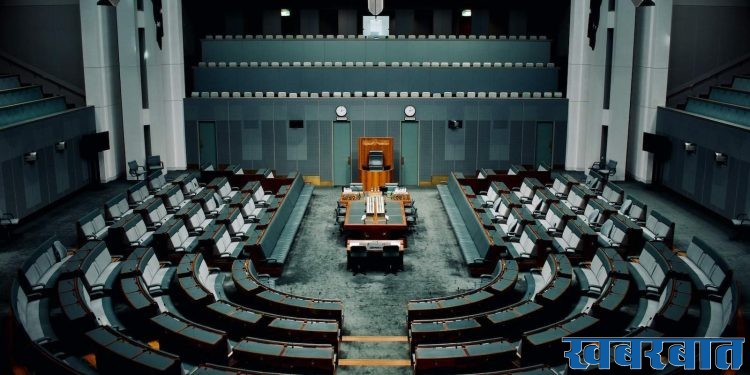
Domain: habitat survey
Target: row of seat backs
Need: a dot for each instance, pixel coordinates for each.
(274, 229)
(156, 180)
(172, 196)
(195, 266)
(381, 94)
(370, 64)
(171, 235)
(89, 262)
(535, 237)
(661, 226)
(138, 193)
(578, 235)
(623, 231)
(711, 263)
(579, 196)
(128, 229)
(92, 226)
(562, 183)
(634, 209)
(607, 263)
(217, 237)
(42, 260)
(476, 231)
(595, 180)
(597, 211)
(141, 262)
(534, 352)
(116, 353)
(152, 212)
(399, 36)
(116, 207)
(653, 259)
(556, 265)
(529, 186)
(558, 215)
(613, 193)
(192, 215)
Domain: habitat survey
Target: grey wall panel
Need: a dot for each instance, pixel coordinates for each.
(30, 187)
(376, 50)
(373, 117)
(706, 37)
(319, 79)
(721, 189)
(46, 36)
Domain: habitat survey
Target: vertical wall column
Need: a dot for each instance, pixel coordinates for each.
(130, 80)
(618, 116)
(102, 80)
(587, 76)
(166, 85)
(650, 74)
(579, 60)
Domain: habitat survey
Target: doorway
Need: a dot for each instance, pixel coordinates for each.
(409, 153)
(342, 153)
(544, 139)
(207, 142)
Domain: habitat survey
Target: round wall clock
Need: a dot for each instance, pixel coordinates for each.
(410, 111)
(341, 111)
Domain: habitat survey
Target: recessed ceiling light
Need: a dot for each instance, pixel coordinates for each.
(286, 13)
(466, 13)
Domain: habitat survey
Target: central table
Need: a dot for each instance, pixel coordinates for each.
(375, 226)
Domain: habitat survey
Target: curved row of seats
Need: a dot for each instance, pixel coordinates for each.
(370, 64)
(608, 270)
(216, 218)
(165, 309)
(378, 94)
(114, 327)
(330, 36)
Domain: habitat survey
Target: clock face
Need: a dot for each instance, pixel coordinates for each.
(341, 111)
(410, 111)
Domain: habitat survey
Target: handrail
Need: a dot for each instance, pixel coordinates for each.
(713, 74)
(44, 75)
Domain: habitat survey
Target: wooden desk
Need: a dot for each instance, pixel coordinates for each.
(373, 180)
(375, 227)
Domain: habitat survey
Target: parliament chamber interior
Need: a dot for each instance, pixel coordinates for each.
(370, 187)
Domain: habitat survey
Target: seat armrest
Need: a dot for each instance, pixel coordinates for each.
(179, 248)
(632, 258)
(535, 270)
(483, 192)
